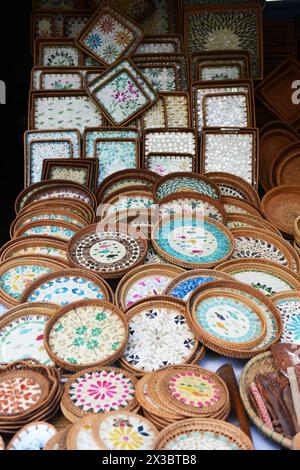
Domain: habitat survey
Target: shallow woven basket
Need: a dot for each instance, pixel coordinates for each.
(262, 364)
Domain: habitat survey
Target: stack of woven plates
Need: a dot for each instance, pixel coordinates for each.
(28, 392)
(181, 392)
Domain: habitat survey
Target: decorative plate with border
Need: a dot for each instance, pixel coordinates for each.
(267, 277)
(97, 391)
(109, 36)
(234, 186)
(33, 437)
(60, 230)
(183, 286)
(109, 254)
(229, 320)
(288, 304)
(191, 203)
(203, 434)
(237, 206)
(44, 246)
(192, 243)
(167, 163)
(78, 208)
(65, 190)
(22, 333)
(262, 245)
(65, 287)
(159, 336)
(108, 133)
(124, 432)
(144, 282)
(17, 274)
(86, 334)
(174, 140)
(271, 315)
(80, 437)
(181, 182)
(235, 221)
(126, 200)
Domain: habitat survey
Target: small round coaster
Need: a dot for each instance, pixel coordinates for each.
(194, 203)
(86, 334)
(100, 390)
(192, 243)
(17, 274)
(261, 245)
(270, 312)
(48, 228)
(35, 246)
(22, 333)
(59, 441)
(144, 282)
(182, 182)
(237, 206)
(159, 335)
(229, 320)
(21, 392)
(33, 437)
(125, 201)
(203, 434)
(80, 436)
(124, 431)
(265, 276)
(65, 287)
(110, 254)
(234, 186)
(244, 221)
(183, 286)
(288, 304)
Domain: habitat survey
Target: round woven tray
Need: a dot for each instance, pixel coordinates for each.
(59, 441)
(30, 428)
(237, 206)
(81, 426)
(234, 186)
(220, 428)
(32, 246)
(262, 364)
(105, 361)
(245, 221)
(287, 170)
(137, 278)
(62, 231)
(64, 190)
(75, 207)
(297, 230)
(148, 179)
(112, 204)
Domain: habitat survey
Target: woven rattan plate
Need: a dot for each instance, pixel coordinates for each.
(271, 314)
(159, 336)
(109, 254)
(65, 287)
(288, 304)
(86, 334)
(282, 206)
(202, 434)
(287, 166)
(144, 282)
(234, 186)
(192, 243)
(31, 246)
(233, 205)
(80, 436)
(245, 221)
(265, 276)
(181, 182)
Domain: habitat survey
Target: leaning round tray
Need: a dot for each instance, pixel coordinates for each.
(32, 246)
(288, 304)
(50, 228)
(203, 434)
(233, 205)
(287, 170)
(262, 364)
(126, 200)
(64, 190)
(79, 208)
(282, 206)
(245, 221)
(234, 186)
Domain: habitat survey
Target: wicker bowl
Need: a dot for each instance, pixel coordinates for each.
(262, 364)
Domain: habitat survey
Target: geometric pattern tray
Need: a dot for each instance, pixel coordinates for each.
(288, 304)
(234, 186)
(181, 182)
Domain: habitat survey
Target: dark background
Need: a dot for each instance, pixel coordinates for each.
(16, 63)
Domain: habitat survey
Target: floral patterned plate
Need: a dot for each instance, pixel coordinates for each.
(229, 320)
(109, 254)
(183, 286)
(97, 391)
(192, 243)
(203, 434)
(124, 431)
(22, 333)
(65, 287)
(144, 282)
(159, 336)
(267, 277)
(181, 182)
(126, 200)
(33, 437)
(109, 35)
(193, 203)
(86, 334)
(31, 246)
(17, 274)
(288, 304)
